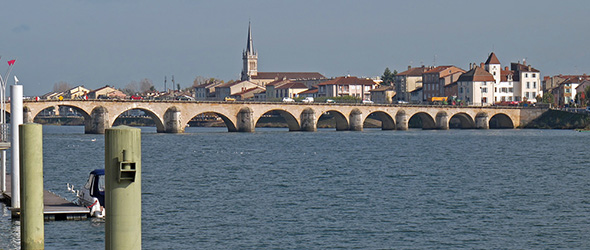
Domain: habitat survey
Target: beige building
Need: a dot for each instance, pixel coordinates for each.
(234, 88)
(408, 81)
(77, 92)
(106, 92)
(383, 94)
(347, 86)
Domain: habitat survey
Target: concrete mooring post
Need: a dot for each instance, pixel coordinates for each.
(123, 188)
(31, 178)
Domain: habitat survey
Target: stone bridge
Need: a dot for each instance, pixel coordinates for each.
(173, 116)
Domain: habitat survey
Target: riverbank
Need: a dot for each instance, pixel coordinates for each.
(556, 119)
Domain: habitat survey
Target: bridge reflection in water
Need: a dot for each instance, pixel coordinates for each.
(173, 116)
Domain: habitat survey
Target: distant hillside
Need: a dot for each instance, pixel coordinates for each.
(555, 119)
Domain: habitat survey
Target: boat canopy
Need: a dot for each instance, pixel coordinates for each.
(98, 171)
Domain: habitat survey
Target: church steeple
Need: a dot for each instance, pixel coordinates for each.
(249, 58)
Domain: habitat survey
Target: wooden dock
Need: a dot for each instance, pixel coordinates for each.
(55, 207)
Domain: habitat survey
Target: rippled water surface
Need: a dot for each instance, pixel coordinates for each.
(457, 189)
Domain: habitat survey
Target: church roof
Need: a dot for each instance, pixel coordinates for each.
(477, 74)
(288, 75)
(250, 44)
(492, 59)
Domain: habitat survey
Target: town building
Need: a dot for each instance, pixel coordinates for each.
(206, 91)
(383, 94)
(106, 92)
(290, 90)
(233, 89)
(520, 83)
(476, 86)
(415, 96)
(529, 82)
(408, 81)
(347, 86)
(250, 69)
(435, 80)
(78, 92)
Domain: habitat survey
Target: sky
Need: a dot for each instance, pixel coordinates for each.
(108, 42)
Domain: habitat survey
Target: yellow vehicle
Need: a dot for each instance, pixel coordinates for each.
(229, 99)
(437, 99)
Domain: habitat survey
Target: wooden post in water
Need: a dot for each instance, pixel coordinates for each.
(31, 179)
(123, 188)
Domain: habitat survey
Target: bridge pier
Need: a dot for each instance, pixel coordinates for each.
(402, 121)
(98, 121)
(482, 121)
(27, 115)
(356, 120)
(172, 121)
(245, 120)
(308, 120)
(442, 121)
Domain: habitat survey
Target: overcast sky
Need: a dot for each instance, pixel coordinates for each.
(95, 43)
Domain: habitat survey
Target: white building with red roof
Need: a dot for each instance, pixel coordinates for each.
(347, 86)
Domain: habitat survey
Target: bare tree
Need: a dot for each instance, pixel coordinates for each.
(131, 88)
(145, 85)
(199, 80)
(61, 86)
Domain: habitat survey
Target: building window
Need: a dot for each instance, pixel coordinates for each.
(534, 85)
(534, 75)
(484, 90)
(528, 85)
(510, 90)
(526, 75)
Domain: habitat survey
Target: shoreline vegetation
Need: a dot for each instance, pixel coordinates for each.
(552, 119)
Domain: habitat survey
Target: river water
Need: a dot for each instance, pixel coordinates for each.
(416, 189)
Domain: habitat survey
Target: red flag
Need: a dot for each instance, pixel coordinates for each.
(11, 62)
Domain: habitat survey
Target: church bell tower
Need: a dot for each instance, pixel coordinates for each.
(249, 58)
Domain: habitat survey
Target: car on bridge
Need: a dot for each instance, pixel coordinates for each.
(307, 100)
(287, 99)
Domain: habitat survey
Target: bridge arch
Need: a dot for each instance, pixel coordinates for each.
(231, 127)
(150, 113)
(461, 120)
(387, 122)
(501, 121)
(29, 114)
(422, 119)
(340, 119)
(289, 118)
